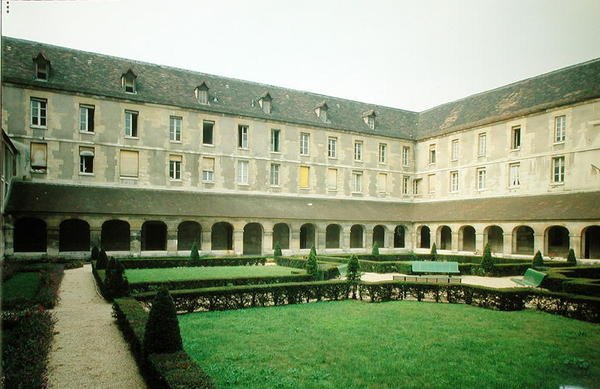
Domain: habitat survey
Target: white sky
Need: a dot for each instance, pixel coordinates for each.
(405, 54)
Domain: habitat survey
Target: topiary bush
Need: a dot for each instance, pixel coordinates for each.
(487, 261)
(375, 250)
(433, 253)
(312, 267)
(538, 260)
(194, 255)
(353, 273)
(115, 282)
(102, 260)
(162, 328)
(95, 254)
(277, 251)
(571, 257)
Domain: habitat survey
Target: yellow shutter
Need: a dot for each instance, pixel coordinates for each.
(39, 155)
(382, 182)
(129, 163)
(304, 170)
(332, 179)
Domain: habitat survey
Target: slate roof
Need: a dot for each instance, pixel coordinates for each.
(28, 197)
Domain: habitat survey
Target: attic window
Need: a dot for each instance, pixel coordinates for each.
(201, 93)
(265, 102)
(128, 81)
(42, 67)
(321, 111)
(369, 118)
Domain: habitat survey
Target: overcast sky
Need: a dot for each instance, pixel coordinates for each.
(405, 54)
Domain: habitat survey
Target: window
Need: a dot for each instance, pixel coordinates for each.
(454, 181)
(265, 103)
(207, 132)
(481, 173)
(405, 157)
(39, 156)
(405, 185)
(86, 118)
(371, 122)
(559, 128)
(332, 147)
(432, 153)
(481, 145)
(332, 179)
(128, 81)
(242, 173)
(358, 150)
(38, 112)
(201, 92)
(86, 160)
(275, 141)
(131, 121)
(304, 176)
(274, 174)
(558, 169)
(514, 179)
(175, 129)
(321, 111)
(454, 150)
(382, 182)
(357, 182)
(515, 142)
(129, 164)
(382, 153)
(41, 69)
(242, 137)
(416, 186)
(175, 167)
(304, 143)
(431, 183)
(208, 169)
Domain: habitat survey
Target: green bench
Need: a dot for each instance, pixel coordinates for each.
(531, 277)
(434, 267)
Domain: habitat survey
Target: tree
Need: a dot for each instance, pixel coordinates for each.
(312, 267)
(277, 251)
(115, 282)
(571, 260)
(102, 261)
(194, 256)
(162, 333)
(487, 261)
(433, 252)
(375, 250)
(353, 273)
(538, 260)
(95, 253)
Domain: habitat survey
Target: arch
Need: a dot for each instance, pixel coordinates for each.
(424, 237)
(591, 242)
(307, 236)
(253, 233)
(445, 238)
(356, 236)
(332, 236)
(115, 235)
(154, 236)
(466, 238)
(30, 235)
(523, 240)
(557, 241)
(281, 234)
(399, 236)
(494, 236)
(74, 235)
(188, 233)
(221, 237)
(379, 235)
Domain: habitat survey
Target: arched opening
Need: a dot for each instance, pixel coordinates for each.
(399, 236)
(591, 242)
(188, 233)
(557, 241)
(494, 236)
(281, 235)
(115, 236)
(523, 240)
(221, 237)
(445, 238)
(424, 237)
(74, 235)
(466, 238)
(356, 236)
(307, 236)
(253, 233)
(332, 236)
(154, 236)
(379, 236)
(30, 235)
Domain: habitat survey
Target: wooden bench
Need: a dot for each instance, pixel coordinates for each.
(531, 278)
(434, 267)
(429, 278)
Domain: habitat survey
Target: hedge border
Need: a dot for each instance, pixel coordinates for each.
(51, 276)
(572, 279)
(145, 263)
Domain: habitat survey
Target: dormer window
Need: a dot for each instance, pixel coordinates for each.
(42, 67)
(265, 102)
(201, 93)
(369, 118)
(321, 111)
(128, 81)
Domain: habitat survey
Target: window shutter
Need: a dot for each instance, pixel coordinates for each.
(129, 163)
(332, 179)
(39, 154)
(304, 176)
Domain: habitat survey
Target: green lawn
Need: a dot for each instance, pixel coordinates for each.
(207, 273)
(392, 345)
(21, 286)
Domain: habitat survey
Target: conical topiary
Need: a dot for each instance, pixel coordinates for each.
(194, 255)
(353, 273)
(538, 260)
(277, 251)
(95, 254)
(312, 267)
(115, 282)
(375, 250)
(433, 254)
(487, 261)
(571, 260)
(162, 328)
(102, 261)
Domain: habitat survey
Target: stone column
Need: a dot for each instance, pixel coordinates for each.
(135, 237)
(538, 243)
(455, 241)
(478, 242)
(238, 240)
(206, 244)
(508, 244)
(9, 246)
(389, 236)
(95, 236)
(267, 242)
(172, 238)
(52, 240)
(295, 238)
(368, 237)
(320, 236)
(575, 244)
(345, 237)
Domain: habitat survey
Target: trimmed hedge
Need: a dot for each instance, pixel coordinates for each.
(46, 293)
(583, 280)
(330, 270)
(425, 257)
(68, 263)
(149, 263)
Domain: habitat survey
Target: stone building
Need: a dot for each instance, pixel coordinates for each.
(145, 159)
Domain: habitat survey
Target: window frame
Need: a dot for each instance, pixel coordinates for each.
(242, 176)
(357, 186)
(38, 70)
(175, 128)
(38, 168)
(175, 167)
(416, 186)
(454, 181)
(208, 176)
(558, 169)
(205, 123)
(382, 188)
(405, 184)
(382, 153)
(243, 136)
(405, 156)
(432, 157)
(41, 107)
(307, 169)
(133, 126)
(332, 147)
(274, 174)
(431, 184)
(84, 127)
(515, 137)
(560, 129)
(304, 143)
(358, 150)
(275, 140)
(329, 186)
(514, 181)
(454, 150)
(482, 144)
(481, 174)
(83, 159)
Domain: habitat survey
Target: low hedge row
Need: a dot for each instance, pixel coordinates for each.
(147, 263)
(330, 270)
(46, 295)
(67, 263)
(425, 257)
(574, 279)
(173, 370)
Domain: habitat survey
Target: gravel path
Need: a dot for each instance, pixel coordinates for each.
(493, 282)
(88, 349)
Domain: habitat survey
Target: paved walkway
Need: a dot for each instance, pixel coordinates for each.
(493, 282)
(88, 349)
